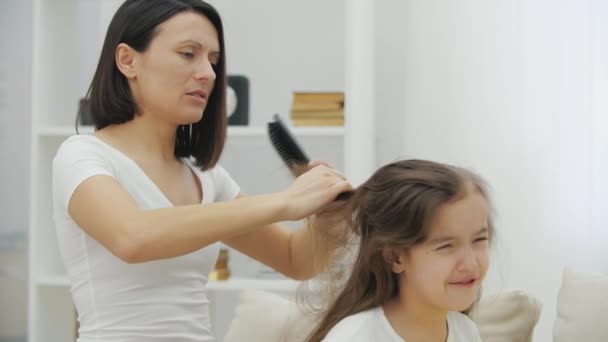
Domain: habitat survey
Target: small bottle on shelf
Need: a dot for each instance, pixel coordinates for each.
(221, 270)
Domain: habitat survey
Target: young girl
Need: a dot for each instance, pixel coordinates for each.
(424, 231)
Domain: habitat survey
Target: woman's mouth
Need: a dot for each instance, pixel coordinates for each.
(198, 96)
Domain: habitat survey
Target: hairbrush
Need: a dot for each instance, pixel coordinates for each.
(290, 151)
(286, 146)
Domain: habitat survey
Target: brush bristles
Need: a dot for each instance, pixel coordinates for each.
(287, 147)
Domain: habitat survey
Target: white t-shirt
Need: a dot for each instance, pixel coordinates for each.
(162, 300)
(371, 326)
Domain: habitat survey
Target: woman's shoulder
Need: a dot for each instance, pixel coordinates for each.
(79, 143)
(462, 327)
(80, 150)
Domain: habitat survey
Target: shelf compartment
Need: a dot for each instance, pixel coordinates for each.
(42, 235)
(233, 131)
(53, 281)
(55, 316)
(232, 284)
(239, 284)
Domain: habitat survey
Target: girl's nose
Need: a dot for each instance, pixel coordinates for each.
(468, 260)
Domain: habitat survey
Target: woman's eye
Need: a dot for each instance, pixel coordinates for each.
(481, 239)
(187, 54)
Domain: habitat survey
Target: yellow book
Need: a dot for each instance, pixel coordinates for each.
(315, 106)
(314, 101)
(318, 114)
(318, 97)
(318, 122)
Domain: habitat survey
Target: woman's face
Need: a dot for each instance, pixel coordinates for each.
(175, 76)
(446, 271)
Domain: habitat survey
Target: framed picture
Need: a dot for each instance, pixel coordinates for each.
(237, 98)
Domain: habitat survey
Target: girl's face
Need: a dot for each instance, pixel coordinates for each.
(447, 269)
(173, 79)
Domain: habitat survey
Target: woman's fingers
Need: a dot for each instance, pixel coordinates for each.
(314, 163)
(341, 187)
(324, 168)
(315, 189)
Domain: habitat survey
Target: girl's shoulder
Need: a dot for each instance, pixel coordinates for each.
(350, 327)
(366, 325)
(462, 328)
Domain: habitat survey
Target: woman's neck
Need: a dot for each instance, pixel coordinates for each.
(415, 320)
(143, 137)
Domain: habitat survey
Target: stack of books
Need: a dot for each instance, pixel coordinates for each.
(317, 109)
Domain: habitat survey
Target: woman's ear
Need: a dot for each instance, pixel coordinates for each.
(125, 60)
(395, 258)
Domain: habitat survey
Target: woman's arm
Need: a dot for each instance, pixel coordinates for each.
(103, 209)
(299, 254)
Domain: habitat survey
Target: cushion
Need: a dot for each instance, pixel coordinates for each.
(509, 316)
(582, 304)
(267, 317)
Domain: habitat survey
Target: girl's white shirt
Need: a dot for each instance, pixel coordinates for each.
(372, 325)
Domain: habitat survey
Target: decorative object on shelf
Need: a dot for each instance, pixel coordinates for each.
(84, 115)
(317, 109)
(237, 98)
(221, 270)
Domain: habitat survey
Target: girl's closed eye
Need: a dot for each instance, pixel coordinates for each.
(444, 247)
(481, 239)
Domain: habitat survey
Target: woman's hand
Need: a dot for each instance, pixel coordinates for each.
(298, 169)
(314, 190)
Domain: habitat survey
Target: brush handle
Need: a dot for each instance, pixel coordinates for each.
(290, 151)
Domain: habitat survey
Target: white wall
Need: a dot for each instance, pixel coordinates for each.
(284, 46)
(15, 33)
(15, 51)
(599, 152)
(516, 91)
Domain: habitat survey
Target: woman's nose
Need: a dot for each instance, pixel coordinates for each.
(205, 71)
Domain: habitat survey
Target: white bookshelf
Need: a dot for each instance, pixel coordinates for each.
(232, 284)
(233, 131)
(58, 75)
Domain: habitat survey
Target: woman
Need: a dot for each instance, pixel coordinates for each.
(141, 205)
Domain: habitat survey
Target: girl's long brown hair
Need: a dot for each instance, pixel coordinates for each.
(392, 209)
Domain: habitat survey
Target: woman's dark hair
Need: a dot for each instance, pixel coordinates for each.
(109, 96)
(392, 209)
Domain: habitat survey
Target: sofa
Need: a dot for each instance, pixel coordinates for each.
(509, 316)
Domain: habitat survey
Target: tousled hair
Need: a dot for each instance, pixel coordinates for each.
(392, 209)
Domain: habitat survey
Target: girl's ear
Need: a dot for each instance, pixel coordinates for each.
(395, 258)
